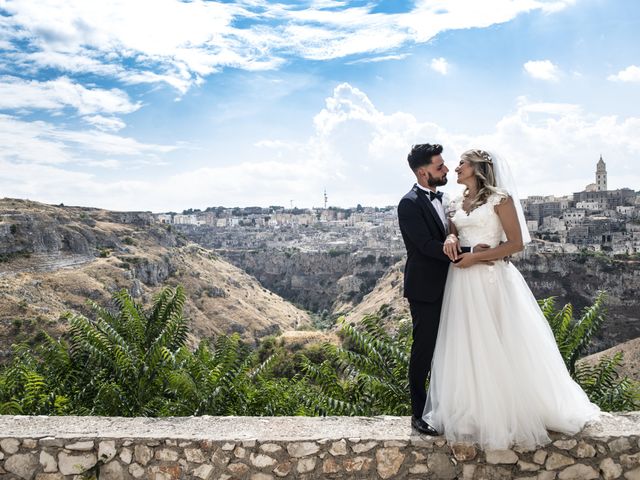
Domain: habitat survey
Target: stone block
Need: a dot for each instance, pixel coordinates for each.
(565, 444)
(463, 452)
(338, 448)
(546, 475)
(195, 455)
(306, 465)
(527, 466)
(106, 450)
(633, 474)
(356, 464)
(126, 455)
(142, 454)
(70, 464)
(556, 461)
(539, 457)
(10, 445)
(48, 462)
(619, 445)
(363, 447)
(29, 443)
(165, 472)
(492, 472)
(302, 449)
(203, 471)
(83, 446)
(136, 470)
(220, 459)
(51, 442)
(270, 447)
(23, 465)
(610, 470)
(112, 471)
(584, 450)
(330, 466)
(441, 466)
(283, 468)
(630, 461)
(167, 455)
(495, 457)
(578, 471)
(238, 468)
(240, 452)
(260, 460)
(418, 469)
(389, 460)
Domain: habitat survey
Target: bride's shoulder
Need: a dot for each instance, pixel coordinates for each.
(499, 196)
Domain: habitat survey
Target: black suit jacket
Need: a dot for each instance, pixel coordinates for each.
(425, 272)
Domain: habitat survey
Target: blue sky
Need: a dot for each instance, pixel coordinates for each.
(164, 105)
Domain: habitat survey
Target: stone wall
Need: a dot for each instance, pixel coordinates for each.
(261, 448)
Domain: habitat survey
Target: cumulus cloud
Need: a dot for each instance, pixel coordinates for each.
(180, 43)
(357, 151)
(542, 70)
(629, 74)
(440, 65)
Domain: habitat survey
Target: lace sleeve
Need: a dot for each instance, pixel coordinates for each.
(498, 197)
(452, 206)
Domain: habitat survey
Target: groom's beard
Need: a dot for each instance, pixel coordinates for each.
(436, 182)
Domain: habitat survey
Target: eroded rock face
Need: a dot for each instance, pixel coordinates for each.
(53, 259)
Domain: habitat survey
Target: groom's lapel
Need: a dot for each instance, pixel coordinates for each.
(422, 196)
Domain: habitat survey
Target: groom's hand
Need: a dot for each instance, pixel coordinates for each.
(451, 247)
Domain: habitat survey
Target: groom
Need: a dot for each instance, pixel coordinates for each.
(424, 229)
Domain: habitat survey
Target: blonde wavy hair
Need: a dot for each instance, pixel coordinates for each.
(482, 164)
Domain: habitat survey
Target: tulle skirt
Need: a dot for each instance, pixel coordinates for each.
(497, 377)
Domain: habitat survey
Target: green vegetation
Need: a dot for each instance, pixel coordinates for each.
(136, 362)
(601, 382)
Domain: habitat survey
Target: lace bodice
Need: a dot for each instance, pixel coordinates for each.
(482, 225)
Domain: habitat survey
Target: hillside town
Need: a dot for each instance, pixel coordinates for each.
(593, 220)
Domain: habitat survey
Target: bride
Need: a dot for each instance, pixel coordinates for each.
(497, 376)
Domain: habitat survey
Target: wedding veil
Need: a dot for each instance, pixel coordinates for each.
(505, 181)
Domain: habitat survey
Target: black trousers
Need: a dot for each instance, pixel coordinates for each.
(426, 319)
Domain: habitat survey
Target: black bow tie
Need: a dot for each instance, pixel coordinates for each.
(434, 195)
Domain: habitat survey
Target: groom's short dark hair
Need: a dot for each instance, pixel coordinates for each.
(422, 154)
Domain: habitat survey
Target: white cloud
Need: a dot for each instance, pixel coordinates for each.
(382, 58)
(39, 142)
(16, 93)
(629, 74)
(179, 43)
(112, 124)
(440, 65)
(356, 151)
(542, 70)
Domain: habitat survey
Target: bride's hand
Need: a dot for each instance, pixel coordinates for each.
(466, 260)
(451, 247)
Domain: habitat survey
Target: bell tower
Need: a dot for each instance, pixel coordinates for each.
(601, 176)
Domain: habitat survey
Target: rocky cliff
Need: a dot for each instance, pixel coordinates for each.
(54, 258)
(573, 278)
(334, 281)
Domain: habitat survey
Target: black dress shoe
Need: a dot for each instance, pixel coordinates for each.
(423, 427)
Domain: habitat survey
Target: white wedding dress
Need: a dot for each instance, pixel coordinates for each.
(497, 376)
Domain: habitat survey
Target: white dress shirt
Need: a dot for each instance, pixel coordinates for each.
(438, 205)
